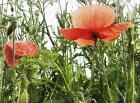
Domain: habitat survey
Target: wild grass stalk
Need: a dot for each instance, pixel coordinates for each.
(130, 86)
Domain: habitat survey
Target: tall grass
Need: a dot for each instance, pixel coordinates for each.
(59, 74)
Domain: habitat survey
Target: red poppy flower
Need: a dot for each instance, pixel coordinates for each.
(92, 22)
(21, 49)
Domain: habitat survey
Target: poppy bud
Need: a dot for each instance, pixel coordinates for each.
(27, 28)
(11, 26)
(12, 9)
(113, 5)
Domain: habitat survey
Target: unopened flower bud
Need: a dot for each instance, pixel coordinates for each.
(9, 28)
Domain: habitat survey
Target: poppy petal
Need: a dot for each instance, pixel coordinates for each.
(114, 31)
(21, 49)
(26, 48)
(93, 17)
(74, 33)
(8, 52)
(85, 41)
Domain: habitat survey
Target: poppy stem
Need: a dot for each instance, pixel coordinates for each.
(1, 84)
(130, 96)
(13, 87)
(108, 88)
(13, 52)
(101, 57)
(13, 74)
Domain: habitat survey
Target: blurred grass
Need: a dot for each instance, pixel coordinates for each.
(59, 74)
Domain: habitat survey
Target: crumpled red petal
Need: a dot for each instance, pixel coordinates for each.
(21, 49)
(26, 48)
(114, 31)
(74, 33)
(9, 58)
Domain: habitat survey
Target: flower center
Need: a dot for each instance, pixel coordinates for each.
(95, 35)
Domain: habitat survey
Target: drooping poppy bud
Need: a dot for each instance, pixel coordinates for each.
(11, 26)
(12, 9)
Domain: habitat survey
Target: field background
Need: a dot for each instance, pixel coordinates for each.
(62, 72)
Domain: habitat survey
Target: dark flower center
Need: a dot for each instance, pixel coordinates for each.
(95, 35)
